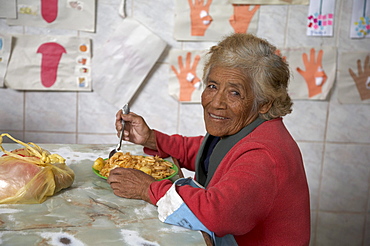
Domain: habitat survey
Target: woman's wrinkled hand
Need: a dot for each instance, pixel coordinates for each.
(130, 183)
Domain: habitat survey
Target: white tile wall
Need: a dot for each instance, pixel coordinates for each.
(346, 175)
(339, 229)
(312, 156)
(11, 110)
(50, 111)
(334, 138)
(348, 122)
(314, 116)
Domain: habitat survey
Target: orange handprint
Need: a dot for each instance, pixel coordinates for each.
(187, 76)
(199, 16)
(242, 17)
(362, 81)
(314, 75)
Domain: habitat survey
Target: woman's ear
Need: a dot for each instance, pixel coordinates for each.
(265, 107)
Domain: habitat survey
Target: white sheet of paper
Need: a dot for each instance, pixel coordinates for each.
(279, 2)
(5, 49)
(54, 63)
(66, 14)
(320, 20)
(121, 9)
(8, 9)
(121, 65)
(360, 21)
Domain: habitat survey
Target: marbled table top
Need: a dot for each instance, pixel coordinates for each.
(88, 213)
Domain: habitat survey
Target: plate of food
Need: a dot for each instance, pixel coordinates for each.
(155, 166)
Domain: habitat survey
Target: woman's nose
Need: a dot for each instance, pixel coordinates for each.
(219, 100)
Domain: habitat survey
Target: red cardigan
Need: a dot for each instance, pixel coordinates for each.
(259, 192)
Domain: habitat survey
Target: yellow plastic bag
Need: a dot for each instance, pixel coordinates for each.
(31, 174)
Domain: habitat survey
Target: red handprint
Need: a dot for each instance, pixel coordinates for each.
(242, 17)
(362, 81)
(199, 17)
(314, 75)
(187, 76)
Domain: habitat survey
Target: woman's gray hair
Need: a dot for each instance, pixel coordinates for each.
(262, 65)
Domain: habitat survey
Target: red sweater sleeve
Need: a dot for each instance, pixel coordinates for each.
(244, 192)
(184, 149)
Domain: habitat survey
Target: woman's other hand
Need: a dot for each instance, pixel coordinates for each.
(130, 183)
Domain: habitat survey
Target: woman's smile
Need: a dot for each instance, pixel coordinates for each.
(217, 117)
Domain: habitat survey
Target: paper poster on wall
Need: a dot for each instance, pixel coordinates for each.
(126, 58)
(5, 49)
(186, 71)
(210, 20)
(312, 71)
(279, 2)
(122, 8)
(360, 21)
(53, 63)
(60, 14)
(320, 20)
(8, 8)
(354, 77)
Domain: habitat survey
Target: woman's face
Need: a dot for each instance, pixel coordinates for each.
(227, 102)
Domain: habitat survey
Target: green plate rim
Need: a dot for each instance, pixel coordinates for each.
(169, 177)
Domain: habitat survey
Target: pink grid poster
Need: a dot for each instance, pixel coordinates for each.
(320, 20)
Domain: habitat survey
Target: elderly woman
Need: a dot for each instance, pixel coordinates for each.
(250, 187)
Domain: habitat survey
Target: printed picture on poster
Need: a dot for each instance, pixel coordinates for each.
(360, 21)
(320, 20)
(56, 63)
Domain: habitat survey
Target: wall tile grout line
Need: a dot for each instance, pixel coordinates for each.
(77, 119)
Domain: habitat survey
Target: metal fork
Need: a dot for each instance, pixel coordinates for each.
(125, 110)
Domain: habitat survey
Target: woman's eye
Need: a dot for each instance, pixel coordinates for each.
(211, 86)
(235, 93)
